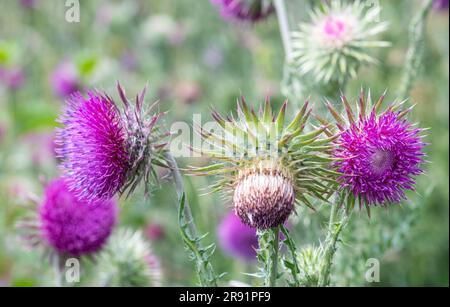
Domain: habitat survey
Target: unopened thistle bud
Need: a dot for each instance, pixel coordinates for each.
(336, 41)
(266, 166)
(128, 261)
(379, 153)
(104, 149)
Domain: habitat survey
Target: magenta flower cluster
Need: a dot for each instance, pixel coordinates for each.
(380, 155)
(71, 226)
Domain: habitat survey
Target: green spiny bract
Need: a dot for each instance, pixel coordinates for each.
(267, 166)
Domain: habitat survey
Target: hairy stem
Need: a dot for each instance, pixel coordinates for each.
(267, 254)
(179, 187)
(337, 222)
(414, 55)
(274, 260)
(189, 233)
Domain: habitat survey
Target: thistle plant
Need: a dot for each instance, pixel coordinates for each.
(337, 41)
(378, 153)
(267, 166)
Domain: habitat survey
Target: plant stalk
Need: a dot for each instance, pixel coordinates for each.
(414, 56)
(335, 226)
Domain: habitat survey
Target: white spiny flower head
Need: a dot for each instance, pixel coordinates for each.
(128, 261)
(336, 40)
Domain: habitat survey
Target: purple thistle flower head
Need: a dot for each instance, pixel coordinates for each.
(72, 226)
(237, 239)
(440, 5)
(245, 10)
(105, 150)
(64, 79)
(379, 153)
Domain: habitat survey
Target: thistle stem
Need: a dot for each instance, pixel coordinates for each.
(205, 271)
(335, 226)
(179, 187)
(274, 260)
(283, 22)
(267, 254)
(414, 55)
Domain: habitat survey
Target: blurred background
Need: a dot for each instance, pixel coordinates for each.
(193, 59)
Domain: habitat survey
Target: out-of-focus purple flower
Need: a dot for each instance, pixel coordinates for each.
(154, 232)
(213, 57)
(42, 147)
(245, 10)
(187, 91)
(440, 5)
(2, 132)
(129, 61)
(237, 239)
(74, 227)
(13, 78)
(379, 155)
(65, 80)
(28, 3)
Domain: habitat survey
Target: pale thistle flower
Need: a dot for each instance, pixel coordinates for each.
(337, 40)
(128, 261)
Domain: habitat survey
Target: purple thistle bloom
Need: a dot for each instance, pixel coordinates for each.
(72, 226)
(13, 78)
(245, 10)
(105, 150)
(237, 239)
(92, 146)
(440, 5)
(380, 155)
(64, 79)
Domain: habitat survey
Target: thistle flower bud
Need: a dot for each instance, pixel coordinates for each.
(266, 166)
(105, 150)
(263, 197)
(336, 41)
(128, 261)
(245, 10)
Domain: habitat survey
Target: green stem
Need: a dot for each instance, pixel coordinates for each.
(189, 233)
(335, 226)
(414, 55)
(274, 260)
(283, 23)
